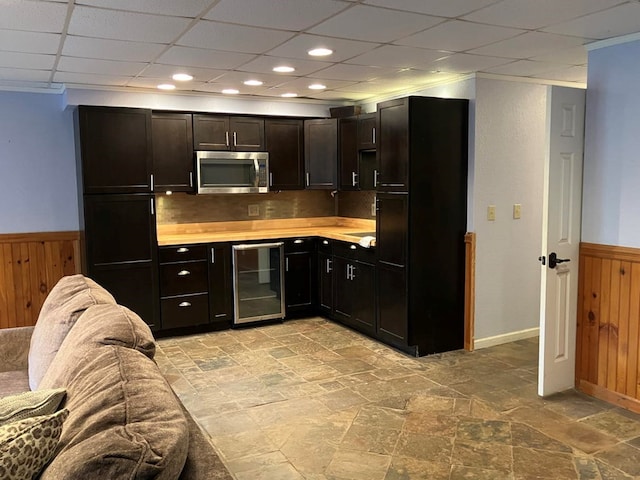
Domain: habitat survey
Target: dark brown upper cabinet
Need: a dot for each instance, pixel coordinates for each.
(222, 132)
(321, 153)
(348, 153)
(172, 136)
(393, 145)
(285, 143)
(367, 131)
(116, 151)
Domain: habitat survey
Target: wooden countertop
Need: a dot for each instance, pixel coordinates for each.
(337, 228)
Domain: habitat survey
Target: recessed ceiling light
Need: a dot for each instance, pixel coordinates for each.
(284, 69)
(230, 91)
(289, 95)
(253, 83)
(166, 86)
(182, 77)
(320, 52)
(317, 86)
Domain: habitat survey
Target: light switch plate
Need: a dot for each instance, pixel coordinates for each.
(254, 210)
(491, 213)
(517, 210)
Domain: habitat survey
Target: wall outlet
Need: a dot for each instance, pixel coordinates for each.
(491, 213)
(254, 210)
(517, 211)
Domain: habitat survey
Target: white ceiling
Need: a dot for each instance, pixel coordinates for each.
(380, 46)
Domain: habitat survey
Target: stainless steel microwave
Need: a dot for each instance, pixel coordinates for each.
(232, 172)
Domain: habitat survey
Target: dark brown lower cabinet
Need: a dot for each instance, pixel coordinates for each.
(354, 294)
(392, 305)
(220, 285)
(325, 283)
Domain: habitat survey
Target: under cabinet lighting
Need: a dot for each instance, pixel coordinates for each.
(317, 86)
(182, 77)
(320, 52)
(230, 91)
(284, 69)
(166, 86)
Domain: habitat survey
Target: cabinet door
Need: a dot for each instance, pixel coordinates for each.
(344, 291)
(364, 276)
(185, 311)
(247, 134)
(115, 145)
(211, 132)
(172, 135)
(325, 283)
(121, 250)
(220, 284)
(392, 304)
(348, 155)
(392, 228)
(298, 280)
(367, 131)
(321, 153)
(393, 145)
(285, 144)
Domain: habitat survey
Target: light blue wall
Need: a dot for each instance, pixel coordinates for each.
(37, 164)
(611, 192)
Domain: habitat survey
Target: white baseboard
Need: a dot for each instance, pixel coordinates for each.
(505, 338)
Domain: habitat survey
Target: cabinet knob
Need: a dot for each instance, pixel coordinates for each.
(183, 273)
(184, 304)
(182, 250)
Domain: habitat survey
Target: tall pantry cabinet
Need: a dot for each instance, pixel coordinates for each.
(117, 205)
(422, 149)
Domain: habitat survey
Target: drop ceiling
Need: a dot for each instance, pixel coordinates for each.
(379, 46)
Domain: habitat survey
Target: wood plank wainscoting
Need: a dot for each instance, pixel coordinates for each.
(608, 333)
(30, 265)
(469, 288)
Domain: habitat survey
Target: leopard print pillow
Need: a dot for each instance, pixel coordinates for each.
(27, 445)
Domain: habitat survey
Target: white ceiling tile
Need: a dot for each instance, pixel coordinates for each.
(568, 74)
(111, 49)
(216, 87)
(397, 56)
(302, 84)
(374, 24)
(166, 71)
(523, 68)
(573, 56)
(91, 79)
(339, 95)
(234, 38)
(457, 36)
(29, 42)
(295, 15)
(356, 73)
(440, 8)
(407, 78)
(200, 57)
(298, 47)
(539, 13)
(528, 45)
(617, 21)
(33, 16)
(117, 25)
(24, 75)
(181, 8)
(148, 82)
(265, 64)
(465, 63)
(26, 60)
(268, 80)
(103, 67)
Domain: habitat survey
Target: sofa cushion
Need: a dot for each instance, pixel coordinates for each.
(124, 420)
(99, 325)
(30, 404)
(13, 382)
(68, 299)
(27, 445)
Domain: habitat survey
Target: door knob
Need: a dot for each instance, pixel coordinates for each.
(554, 260)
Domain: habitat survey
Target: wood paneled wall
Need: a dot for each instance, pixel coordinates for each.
(608, 335)
(30, 265)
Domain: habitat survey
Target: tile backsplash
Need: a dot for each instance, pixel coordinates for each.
(183, 208)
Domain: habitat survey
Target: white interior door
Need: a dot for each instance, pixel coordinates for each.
(561, 239)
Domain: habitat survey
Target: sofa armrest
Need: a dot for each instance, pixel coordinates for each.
(14, 348)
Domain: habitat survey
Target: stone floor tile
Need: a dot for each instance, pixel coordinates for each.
(404, 468)
(487, 456)
(428, 403)
(282, 471)
(623, 457)
(342, 399)
(424, 447)
(607, 472)
(356, 465)
(255, 462)
(529, 463)
(431, 423)
(492, 431)
(525, 436)
(370, 439)
(380, 417)
(242, 444)
(460, 472)
(614, 423)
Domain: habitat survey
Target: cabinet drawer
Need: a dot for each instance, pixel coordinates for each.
(353, 251)
(185, 311)
(181, 253)
(299, 245)
(182, 278)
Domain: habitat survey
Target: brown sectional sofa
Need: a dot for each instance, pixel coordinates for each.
(124, 420)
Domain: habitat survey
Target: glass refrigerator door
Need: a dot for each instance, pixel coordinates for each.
(258, 272)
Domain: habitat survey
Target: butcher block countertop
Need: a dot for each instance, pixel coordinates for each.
(337, 228)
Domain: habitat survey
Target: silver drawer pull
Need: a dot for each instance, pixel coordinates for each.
(183, 273)
(353, 247)
(298, 241)
(182, 250)
(185, 304)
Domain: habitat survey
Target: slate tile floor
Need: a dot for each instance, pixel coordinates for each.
(310, 399)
